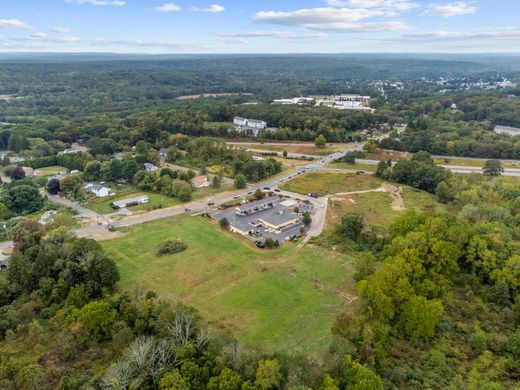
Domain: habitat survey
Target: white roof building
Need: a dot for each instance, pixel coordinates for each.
(507, 130)
(99, 190)
(150, 167)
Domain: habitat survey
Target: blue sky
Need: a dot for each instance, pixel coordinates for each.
(260, 26)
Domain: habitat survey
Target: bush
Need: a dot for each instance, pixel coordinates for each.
(172, 245)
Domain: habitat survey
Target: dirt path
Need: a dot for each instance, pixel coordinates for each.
(394, 191)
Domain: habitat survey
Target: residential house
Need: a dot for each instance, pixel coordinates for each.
(150, 167)
(71, 151)
(99, 190)
(163, 153)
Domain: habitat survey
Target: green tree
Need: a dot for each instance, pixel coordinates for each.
(328, 384)
(224, 223)
(240, 181)
(370, 146)
(493, 168)
(184, 193)
(351, 226)
(216, 181)
(53, 186)
(382, 169)
(268, 375)
(23, 199)
(129, 168)
(364, 266)
(420, 317)
(258, 194)
(70, 185)
(320, 141)
(92, 171)
(97, 318)
(306, 219)
(227, 380)
(444, 192)
(173, 380)
(172, 245)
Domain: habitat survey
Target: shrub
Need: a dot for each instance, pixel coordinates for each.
(172, 245)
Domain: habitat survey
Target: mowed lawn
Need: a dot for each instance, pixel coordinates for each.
(324, 183)
(282, 300)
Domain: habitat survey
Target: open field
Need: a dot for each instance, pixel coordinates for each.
(282, 300)
(356, 166)
(50, 171)
(296, 148)
(383, 154)
(471, 162)
(324, 183)
(214, 95)
(102, 206)
(376, 207)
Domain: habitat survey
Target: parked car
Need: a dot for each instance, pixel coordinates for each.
(187, 209)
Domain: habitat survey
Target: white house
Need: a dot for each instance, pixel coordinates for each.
(99, 190)
(71, 151)
(150, 167)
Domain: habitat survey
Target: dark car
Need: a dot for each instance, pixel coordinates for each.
(187, 209)
(277, 190)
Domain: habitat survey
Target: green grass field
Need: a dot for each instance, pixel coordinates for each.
(354, 166)
(50, 171)
(324, 183)
(282, 300)
(102, 206)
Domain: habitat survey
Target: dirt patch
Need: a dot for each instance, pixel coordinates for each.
(104, 235)
(397, 196)
(205, 95)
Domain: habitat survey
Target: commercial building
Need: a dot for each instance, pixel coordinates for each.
(507, 130)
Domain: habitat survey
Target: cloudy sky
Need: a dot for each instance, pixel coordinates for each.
(260, 26)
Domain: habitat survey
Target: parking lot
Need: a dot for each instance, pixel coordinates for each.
(277, 217)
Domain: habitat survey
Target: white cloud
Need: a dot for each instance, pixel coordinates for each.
(39, 35)
(213, 8)
(331, 19)
(60, 29)
(168, 7)
(449, 10)
(398, 5)
(14, 23)
(270, 34)
(99, 3)
(500, 33)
